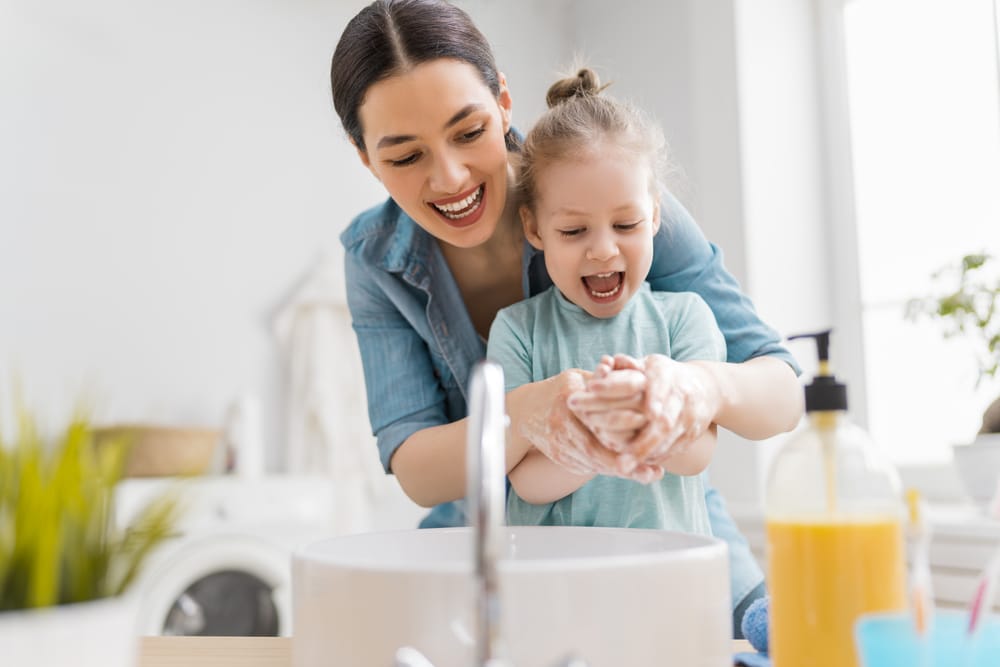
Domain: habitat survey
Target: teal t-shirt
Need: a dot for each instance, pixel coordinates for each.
(546, 334)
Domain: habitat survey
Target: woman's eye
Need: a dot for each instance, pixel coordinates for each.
(472, 136)
(402, 162)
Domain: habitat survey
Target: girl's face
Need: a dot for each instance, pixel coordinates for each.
(595, 219)
(435, 138)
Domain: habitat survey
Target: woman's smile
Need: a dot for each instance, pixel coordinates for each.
(464, 209)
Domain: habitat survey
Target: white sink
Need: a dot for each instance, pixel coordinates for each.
(611, 596)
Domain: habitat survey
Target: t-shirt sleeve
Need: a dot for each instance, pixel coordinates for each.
(510, 346)
(694, 335)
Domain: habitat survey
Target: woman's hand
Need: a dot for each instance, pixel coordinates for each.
(649, 410)
(681, 402)
(544, 419)
(613, 408)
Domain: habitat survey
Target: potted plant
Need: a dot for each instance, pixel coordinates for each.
(969, 306)
(65, 565)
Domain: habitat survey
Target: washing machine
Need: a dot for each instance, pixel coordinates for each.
(227, 570)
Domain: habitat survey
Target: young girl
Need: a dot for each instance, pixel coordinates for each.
(589, 176)
(420, 97)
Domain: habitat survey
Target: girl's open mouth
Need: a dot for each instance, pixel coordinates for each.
(604, 286)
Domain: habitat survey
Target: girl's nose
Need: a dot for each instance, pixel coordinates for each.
(448, 175)
(603, 247)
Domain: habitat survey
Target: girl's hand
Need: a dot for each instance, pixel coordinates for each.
(552, 428)
(681, 401)
(613, 408)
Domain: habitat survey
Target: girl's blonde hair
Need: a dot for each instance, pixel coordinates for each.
(579, 118)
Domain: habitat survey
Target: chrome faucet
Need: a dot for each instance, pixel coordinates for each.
(485, 470)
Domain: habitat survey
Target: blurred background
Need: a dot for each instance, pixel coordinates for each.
(173, 181)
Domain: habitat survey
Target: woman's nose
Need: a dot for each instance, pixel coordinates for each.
(448, 175)
(603, 246)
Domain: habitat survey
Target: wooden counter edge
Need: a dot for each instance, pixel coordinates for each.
(236, 651)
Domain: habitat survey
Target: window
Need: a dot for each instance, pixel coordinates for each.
(922, 85)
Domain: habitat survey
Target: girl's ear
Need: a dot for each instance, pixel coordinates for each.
(656, 216)
(530, 225)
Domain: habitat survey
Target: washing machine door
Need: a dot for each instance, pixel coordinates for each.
(219, 585)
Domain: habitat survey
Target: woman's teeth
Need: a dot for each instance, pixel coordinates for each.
(459, 209)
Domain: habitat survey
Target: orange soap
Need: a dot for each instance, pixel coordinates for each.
(821, 577)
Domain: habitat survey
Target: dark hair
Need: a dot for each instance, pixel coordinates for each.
(389, 37)
(577, 120)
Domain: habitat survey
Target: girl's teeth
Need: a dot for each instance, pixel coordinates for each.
(602, 295)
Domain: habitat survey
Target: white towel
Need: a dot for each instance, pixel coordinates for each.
(327, 430)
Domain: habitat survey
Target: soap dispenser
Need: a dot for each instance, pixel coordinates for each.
(834, 517)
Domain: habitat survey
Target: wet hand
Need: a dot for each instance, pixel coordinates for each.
(681, 401)
(556, 431)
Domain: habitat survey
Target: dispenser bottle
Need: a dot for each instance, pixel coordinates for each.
(834, 517)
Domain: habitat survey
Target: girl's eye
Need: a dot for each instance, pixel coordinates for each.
(626, 226)
(402, 162)
(471, 136)
(570, 232)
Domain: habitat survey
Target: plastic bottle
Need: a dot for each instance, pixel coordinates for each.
(834, 517)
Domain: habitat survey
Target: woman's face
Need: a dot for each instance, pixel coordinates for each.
(435, 138)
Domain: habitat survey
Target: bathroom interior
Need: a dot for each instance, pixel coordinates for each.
(174, 179)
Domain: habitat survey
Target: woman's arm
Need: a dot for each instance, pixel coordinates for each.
(430, 464)
(537, 480)
(758, 398)
(685, 261)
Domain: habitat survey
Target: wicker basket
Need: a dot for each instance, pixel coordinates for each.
(163, 450)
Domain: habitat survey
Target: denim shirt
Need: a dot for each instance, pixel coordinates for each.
(418, 344)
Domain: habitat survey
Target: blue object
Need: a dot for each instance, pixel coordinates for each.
(751, 660)
(890, 640)
(754, 624)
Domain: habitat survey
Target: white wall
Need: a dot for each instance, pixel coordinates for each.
(170, 170)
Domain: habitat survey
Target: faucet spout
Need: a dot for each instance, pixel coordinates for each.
(485, 497)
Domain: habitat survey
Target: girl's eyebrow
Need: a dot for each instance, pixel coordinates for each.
(396, 139)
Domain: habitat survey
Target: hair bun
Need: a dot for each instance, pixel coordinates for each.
(586, 82)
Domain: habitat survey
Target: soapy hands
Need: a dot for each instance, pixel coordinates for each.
(646, 411)
(553, 429)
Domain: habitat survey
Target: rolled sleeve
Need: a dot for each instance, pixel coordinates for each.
(685, 261)
(400, 382)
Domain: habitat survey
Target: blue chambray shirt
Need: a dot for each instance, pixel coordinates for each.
(418, 344)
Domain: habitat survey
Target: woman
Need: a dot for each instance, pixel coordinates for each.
(417, 90)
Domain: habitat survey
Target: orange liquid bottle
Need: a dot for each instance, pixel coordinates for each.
(834, 516)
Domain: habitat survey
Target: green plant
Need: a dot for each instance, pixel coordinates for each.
(59, 543)
(967, 307)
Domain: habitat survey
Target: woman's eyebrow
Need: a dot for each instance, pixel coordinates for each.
(462, 114)
(396, 139)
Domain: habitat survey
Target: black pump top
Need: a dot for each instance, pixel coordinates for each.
(824, 392)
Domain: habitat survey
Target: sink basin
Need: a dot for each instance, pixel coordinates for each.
(613, 597)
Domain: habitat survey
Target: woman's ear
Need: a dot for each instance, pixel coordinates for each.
(505, 102)
(530, 224)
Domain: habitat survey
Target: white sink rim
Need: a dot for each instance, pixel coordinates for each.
(676, 546)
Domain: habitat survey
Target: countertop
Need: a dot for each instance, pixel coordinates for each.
(235, 651)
